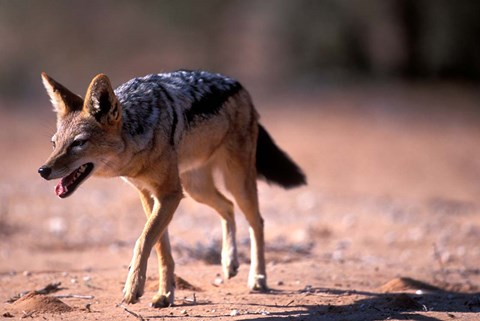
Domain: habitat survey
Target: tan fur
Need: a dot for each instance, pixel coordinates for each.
(225, 143)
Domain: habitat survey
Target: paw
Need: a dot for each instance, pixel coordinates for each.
(258, 283)
(230, 268)
(133, 289)
(162, 300)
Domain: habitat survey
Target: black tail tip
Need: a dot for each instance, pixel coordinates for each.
(293, 177)
(274, 165)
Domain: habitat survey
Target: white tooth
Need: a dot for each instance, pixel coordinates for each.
(65, 189)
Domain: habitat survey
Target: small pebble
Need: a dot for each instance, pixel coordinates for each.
(27, 273)
(234, 313)
(218, 280)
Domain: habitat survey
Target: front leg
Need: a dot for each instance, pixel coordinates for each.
(156, 225)
(137, 270)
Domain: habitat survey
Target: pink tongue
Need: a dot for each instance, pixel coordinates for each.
(59, 189)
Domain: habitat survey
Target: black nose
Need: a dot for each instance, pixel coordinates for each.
(45, 171)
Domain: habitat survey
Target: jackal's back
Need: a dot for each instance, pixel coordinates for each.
(174, 101)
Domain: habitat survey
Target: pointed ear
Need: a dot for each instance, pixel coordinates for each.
(101, 102)
(63, 100)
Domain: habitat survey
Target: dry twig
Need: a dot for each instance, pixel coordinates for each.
(74, 296)
(27, 314)
(136, 315)
(49, 288)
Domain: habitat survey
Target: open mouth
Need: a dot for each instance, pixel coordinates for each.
(69, 183)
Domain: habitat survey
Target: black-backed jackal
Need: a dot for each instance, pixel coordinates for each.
(165, 134)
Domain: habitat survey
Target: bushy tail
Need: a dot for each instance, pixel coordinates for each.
(274, 165)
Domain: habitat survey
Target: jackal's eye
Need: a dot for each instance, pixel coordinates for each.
(53, 144)
(78, 143)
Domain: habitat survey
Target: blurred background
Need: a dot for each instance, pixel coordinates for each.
(377, 100)
(272, 46)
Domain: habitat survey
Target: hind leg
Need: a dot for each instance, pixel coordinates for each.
(240, 180)
(200, 186)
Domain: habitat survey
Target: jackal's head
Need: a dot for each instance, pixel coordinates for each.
(88, 133)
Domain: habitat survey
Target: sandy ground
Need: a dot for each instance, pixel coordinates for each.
(387, 229)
